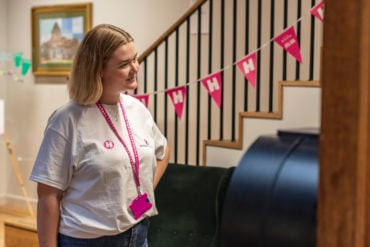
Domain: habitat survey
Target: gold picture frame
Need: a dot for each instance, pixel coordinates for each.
(56, 34)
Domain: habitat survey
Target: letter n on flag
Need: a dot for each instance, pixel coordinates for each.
(177, 96)
(213, 84)
(318, 11)
(248, 66)
(143, 98)
(288, 40)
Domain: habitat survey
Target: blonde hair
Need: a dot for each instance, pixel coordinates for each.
(85, 85)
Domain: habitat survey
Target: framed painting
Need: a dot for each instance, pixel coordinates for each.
(56, 34)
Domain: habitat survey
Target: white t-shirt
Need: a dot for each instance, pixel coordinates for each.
(81, 155)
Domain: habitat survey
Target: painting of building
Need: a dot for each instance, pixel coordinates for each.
(61, 44)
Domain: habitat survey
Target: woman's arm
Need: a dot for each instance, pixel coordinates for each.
(161, 167)
(48, 213)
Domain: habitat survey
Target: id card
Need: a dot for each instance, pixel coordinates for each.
(140, 205)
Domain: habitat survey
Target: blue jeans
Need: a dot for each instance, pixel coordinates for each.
(134, 237)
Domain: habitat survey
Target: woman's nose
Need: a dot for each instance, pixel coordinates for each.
(135, 65)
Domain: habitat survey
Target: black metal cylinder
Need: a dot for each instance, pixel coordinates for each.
(271, 199)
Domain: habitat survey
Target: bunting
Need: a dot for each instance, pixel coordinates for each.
(11, 74)
(20, 63)
(318, 11)
(247, 65)
(144, 98)
(213, 84)
(26, 65)
(177, 96)
(17, 56)
(289, 42)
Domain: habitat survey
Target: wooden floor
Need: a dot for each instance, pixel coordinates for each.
(3, 218)
(8, 213)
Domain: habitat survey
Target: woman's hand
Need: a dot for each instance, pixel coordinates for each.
(161, 167)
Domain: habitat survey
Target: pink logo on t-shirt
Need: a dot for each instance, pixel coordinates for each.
(108, 144)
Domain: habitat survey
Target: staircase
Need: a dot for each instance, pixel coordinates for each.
(211, 37)
(299, 106)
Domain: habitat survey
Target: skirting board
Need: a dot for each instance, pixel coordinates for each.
(16, 202)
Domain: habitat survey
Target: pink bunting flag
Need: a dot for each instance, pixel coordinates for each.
(213, 84)
(288, 40)
(318, 11)
(177, 96)
(248, 66)
(143, 98)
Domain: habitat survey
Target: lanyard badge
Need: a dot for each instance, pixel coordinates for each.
(141, 203)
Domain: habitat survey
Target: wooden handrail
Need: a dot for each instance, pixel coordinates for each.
(159, 41)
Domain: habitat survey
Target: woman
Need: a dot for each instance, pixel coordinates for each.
(102, 155)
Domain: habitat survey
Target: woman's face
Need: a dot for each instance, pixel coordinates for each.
(120, 72)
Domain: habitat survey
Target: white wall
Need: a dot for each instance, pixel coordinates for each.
(301, 108)
(29, 104)
(3, 31)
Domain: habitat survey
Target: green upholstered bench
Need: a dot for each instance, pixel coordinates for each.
(189, 199)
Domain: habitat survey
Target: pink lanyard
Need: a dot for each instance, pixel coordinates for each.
(134, 164)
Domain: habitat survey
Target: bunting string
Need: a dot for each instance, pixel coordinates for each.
(247, 65)
(212, 83)
(21, 64)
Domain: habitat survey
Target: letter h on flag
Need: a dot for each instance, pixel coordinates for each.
(318, 11)
(177, 96)
(248, 66)
(213, 84)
